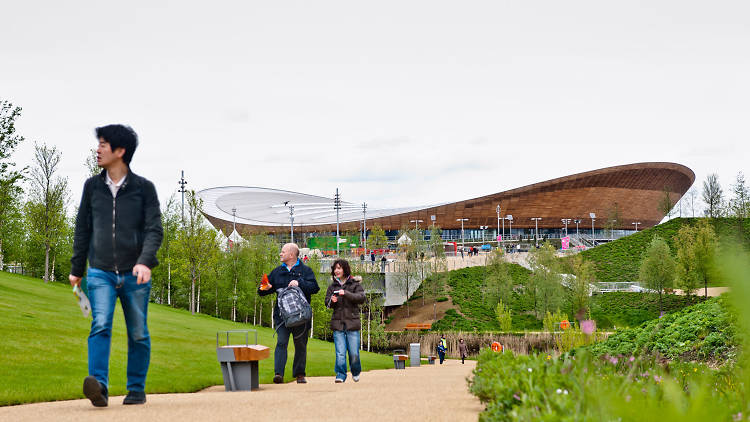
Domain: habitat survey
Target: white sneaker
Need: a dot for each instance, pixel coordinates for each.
(355, 378)
(339, 381)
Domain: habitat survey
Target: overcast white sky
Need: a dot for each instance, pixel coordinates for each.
(396, 103)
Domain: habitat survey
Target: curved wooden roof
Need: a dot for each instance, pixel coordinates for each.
(634, 189)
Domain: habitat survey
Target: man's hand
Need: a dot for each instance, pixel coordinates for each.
(294, 283)
(143, 273)
(341, 292)
(74, 280)
(334, 298)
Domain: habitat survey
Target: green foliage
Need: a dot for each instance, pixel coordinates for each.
(498, 283)
(10, 185)
(629, 309)
(503, 317)
(703, 331)
(545, 281)
(551, 321)
(619, 260)
(580, 287)
(377, 238)
(657, 267)
(696, 253)
(575, 388)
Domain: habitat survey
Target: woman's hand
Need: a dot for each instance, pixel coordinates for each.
(334, 298)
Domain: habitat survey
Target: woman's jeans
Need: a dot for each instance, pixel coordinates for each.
(104, 288)
(346, 341)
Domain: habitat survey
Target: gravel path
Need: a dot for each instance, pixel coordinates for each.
(427, 393)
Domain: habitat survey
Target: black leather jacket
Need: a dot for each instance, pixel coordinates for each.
(115, 234)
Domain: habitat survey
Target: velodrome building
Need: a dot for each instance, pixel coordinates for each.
(634, 190)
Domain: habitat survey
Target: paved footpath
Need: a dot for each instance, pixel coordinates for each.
(427, 393)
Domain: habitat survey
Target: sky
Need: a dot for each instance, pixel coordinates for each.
(396, 103)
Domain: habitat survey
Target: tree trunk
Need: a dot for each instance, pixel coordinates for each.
(369, 318)
(255, 307)
(216, 299)
(198, 307)
(52, 270)
(1, 254)
(705, 288)
(46, 261)
(192, 294)
(260, 315)
(234, 300)
(169, 283)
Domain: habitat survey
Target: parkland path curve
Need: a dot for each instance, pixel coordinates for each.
(426, 393)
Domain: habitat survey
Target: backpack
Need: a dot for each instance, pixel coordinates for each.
(293, 307)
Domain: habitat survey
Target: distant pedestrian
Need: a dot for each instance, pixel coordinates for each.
(462, 349)
(305, 259)
(462, 253)
(442, 347)
(383, 261)
(372, 257)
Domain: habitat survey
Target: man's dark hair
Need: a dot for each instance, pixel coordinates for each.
(119, 136)
(344, 264)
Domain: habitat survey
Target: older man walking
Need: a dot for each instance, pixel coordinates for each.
(291, 272)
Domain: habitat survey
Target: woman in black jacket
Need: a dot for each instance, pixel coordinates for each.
(344, 296)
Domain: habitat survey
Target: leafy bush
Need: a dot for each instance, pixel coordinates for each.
(628, 309)
(704, 331)
(581, 387)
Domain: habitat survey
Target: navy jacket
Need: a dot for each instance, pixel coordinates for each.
(115, 234)
(280, 278)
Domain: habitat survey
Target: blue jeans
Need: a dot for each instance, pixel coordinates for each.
(346, 341)
(104, 288)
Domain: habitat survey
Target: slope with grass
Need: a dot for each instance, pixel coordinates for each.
(44, 347)
(619, 260)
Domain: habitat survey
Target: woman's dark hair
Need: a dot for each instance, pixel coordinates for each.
(119, 136)
(344, 264)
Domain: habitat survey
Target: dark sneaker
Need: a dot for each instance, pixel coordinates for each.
(95, 391)
(278, 379)
(301, 379)
(135, 397)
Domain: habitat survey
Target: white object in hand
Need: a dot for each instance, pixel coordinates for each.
(83, 300)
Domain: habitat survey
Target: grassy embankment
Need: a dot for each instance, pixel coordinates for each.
(44, 350)
(621, 309)
(619, 260)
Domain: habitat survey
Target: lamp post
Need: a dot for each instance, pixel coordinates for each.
(291, 223)
(483, 228)
(536, 229)
(462, 229)
(337, 207)
(364, 225)
(593, 218)
(182, 190)
(636, 225)
(234, 223)
(577, 220)
(566, 221)
(416, 223)
(498, 225)
(508, 217)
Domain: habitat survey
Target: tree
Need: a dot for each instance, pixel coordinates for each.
(712, 195)
(666, 204)
(193, 242)
(170, 222)
(498, 283)
(691, 195)
(614, 218)
(657, 267)
(740, 202)
(408, 271)
(92, 166)
(10, 179)
(49, 196)
(503, 315)
(545, 284)
(377, 238)
(580, 286)
(686, 274)
(705, 251)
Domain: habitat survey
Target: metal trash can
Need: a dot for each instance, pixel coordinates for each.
(399, 361)
(414, 354)
(239, 363)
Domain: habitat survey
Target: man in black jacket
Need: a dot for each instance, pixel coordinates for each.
(291, 272)
(118, 229)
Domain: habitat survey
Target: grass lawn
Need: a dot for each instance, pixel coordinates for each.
(44, 354)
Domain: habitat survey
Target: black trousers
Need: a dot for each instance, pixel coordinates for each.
(299, 336)
(442, 357)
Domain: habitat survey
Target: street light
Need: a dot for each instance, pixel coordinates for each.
(509, 217)
(291, 221)
(536, 225)
(577, 220)
(566, 221)
(462, 230)
(337, 207)
(483, 228)
(416, 223)
(498, 224)
(636, 225)
(593, 218)
(364, 225)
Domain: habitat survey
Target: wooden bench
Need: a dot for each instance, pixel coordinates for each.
(399, 361)
(415, 327)
(430, 359)
(239, 363)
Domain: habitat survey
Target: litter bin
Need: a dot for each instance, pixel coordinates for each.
(239, 363)
(414, 354)
(399, 359)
